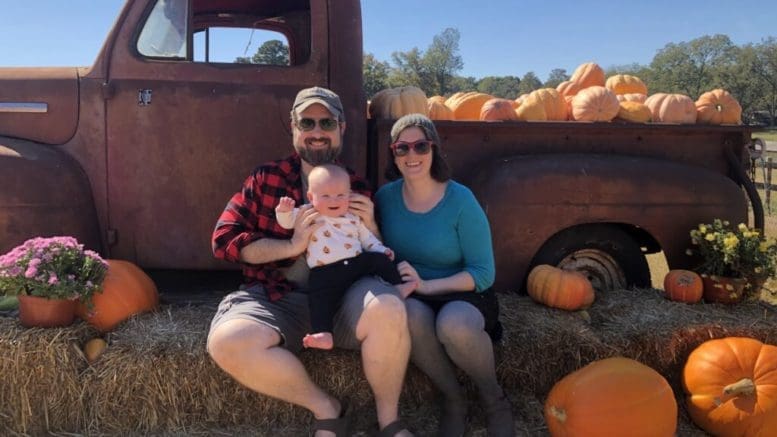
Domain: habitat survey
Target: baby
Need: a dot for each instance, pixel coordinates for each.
(339, 252)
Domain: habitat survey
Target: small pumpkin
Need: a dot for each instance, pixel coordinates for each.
(625, 84)
(672, 108)
(588, 74)
(437, 109)
(683, 286)
(634, 112)
(731, 387)
(467, 105)
(612, 397)
(126, 291)
(595, 103)
(94, 348)
(557, 288)
(395, 102)
(718, 107)
(498, 110)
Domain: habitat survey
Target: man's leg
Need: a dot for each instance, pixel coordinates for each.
(373, 316)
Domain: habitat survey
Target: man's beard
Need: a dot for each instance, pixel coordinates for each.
(318, 156)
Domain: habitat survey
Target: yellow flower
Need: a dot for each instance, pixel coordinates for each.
(742, 227)
(731, 241)
(709, 237)
(758, 270)
(763, 247)
(703, 229)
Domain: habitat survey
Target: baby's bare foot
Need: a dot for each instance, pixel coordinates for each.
(319, 340)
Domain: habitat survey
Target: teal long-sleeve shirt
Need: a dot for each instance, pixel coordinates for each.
(453, 236)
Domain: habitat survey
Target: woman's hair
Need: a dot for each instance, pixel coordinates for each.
(440, 170)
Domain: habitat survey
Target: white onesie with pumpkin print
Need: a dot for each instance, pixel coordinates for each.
(339, 238)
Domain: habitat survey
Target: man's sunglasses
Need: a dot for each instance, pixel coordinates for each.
(402, 148)
(308, 124)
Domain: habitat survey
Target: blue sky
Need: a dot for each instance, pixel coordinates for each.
(498, 37)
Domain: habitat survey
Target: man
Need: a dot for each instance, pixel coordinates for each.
(258, 329)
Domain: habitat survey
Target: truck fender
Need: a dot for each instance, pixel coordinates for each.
(45, 192)
(554, 208)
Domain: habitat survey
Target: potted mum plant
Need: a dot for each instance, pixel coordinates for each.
(736, 260)
(49, 275)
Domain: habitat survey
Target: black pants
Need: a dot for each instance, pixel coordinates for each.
(327, 284)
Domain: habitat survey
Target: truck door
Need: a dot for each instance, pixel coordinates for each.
(187, 121)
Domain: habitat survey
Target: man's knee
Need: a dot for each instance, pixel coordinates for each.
(229, 342)
(386, 309)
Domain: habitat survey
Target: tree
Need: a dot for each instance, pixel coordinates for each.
(690, 67)
(375, 74)
(499, 86)
(765, 67)
(740, 79)
(529, 83)
(408, 69)
(272, 52)
(433, 70)
(556, 76)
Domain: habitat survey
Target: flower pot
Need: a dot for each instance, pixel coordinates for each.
(722, 289)
(35, 311)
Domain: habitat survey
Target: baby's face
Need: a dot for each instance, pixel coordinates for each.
(330, 198)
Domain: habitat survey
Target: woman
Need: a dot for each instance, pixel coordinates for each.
(441, 237)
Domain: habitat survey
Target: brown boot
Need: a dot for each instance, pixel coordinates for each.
(499, 418)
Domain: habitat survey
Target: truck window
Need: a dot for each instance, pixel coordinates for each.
(164, 32)
(241, 45)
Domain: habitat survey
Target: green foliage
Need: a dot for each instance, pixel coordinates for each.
(556, 76)
(529, 83)
(690, 67)
(738, 252)
(504, 86)
(272, 52)
(375, 74)
(433, 70)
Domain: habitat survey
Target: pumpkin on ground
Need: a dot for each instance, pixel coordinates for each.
(718, 107)
(672, 108)
(557, 288)
(683, 286)
(731, 387)
(498, 110)
(466, 106)
(588, 74)
(612, 397)
(438, 110)
(595, 103)
(126, 291)
(625, 84)
(634, 112)
(94, 348)
(395, 102)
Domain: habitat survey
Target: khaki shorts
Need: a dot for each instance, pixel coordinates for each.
(290, 315)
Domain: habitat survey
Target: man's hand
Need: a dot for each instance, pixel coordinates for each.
(286, 204)
(304, 226)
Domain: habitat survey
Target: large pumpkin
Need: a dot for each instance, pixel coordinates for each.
(588, 74)
(683, 286)
(634, 112)
(557, 288)
(672, 108)
(632, 97)
(612, 397)
(126, 291)
(731, 387)
(595, 103)
(467, 105)
(395, 102)
(625, 84)
(568, 88)
(438, 110)
(718, 107)
(498, 110)
(552, 101)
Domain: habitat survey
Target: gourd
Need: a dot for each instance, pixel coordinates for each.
(437, 109)
(612, 397)
(625, 84)
(588, 74)
(557, 288)
(94, 348)
(634, 112)
(595, 103)
(498, 109)
(683, 286)
(126, 291)
(731, 387)
(718, 107)
(395, 102)
(467, 105)
(672, 108)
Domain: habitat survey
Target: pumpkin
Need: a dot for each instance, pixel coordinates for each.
(625, 84)
(395, 102)
(568, 88)
(553, 102)
(557, 288)
(437, 110)
(595, 103)
(126, 291)
(588, 74)
(498, 109)
(466, 106)
(672, 108)
(440, 99)
(683, 286)
(94, 348)
(632, 97)
(718, 107)
(612, 397)
(731, 387)
(531, 110)
(634, 112)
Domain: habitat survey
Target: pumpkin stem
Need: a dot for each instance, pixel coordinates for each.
(744, 386)
(559, 414)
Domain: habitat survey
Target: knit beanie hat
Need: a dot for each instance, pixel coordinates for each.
(418, 120)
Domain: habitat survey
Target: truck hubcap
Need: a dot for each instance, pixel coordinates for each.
(598, 266)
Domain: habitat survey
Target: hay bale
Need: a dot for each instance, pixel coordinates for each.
(156, 377)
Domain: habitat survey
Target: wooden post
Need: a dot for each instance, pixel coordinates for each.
(768, 185)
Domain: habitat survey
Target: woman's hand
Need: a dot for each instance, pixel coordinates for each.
(409, 274)
(363, 207)
(304, 226)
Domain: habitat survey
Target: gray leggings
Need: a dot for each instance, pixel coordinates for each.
(455, 337)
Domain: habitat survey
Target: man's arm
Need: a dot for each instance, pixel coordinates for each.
(266, 250)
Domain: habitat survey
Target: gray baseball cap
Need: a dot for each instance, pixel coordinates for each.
(323, 96)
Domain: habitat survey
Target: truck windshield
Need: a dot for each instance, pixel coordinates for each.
(164, 33)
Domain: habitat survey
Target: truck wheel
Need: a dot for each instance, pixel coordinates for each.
(608, 256)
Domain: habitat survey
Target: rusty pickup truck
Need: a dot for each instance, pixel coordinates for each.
(136, 155)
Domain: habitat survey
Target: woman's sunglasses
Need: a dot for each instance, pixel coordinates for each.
(402, 148)
(308, 124)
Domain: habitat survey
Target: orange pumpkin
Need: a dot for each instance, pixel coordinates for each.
(438, 110)
(554, 104)
(557, 288)
(126, 291)
(731, 387)
(672, 108)
(395, 102)
(568, 88)
(634, 112)
(588, 74)
(531, 110)
(718, 107)
(612, 397)
(466, 106)
(595, 103)
(497, 110)
(683, 286)
(625, 84)
(632, 97)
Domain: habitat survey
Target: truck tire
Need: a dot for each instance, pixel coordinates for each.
(607, 255)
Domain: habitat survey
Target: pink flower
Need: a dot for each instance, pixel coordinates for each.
(53, 279)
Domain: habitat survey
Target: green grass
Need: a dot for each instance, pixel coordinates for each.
(770, 135)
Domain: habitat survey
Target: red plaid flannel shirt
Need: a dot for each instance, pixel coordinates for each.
(250, 215)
